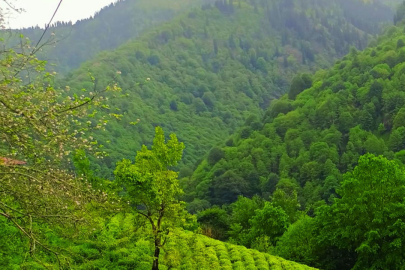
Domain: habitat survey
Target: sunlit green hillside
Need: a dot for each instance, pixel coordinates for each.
(184, 250)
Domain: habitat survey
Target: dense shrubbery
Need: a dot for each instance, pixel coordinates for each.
(121, 243)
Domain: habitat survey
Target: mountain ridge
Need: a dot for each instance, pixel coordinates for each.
(72, 44)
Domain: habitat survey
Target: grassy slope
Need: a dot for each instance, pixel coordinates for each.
(123, 244)
(207, 254)
(184, 250)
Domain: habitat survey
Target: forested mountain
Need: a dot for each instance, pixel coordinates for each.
(204, 73)
(315, 172)
(313, 154)
(72, 44)
(310, 138)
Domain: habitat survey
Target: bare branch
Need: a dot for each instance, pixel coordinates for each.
(47, 27)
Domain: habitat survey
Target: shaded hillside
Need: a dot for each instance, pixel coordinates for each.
(106, 30)
(307, 140)
(214, 66)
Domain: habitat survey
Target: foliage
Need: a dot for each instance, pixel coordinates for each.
(298, 243)
(290, 183)
(311, 141)
(270, 221)
(118, 248)
(368, 219)
(305, 154)
(215, 155)
(299, 84)
(288, 201)
(39, 128)
(214, 223)
(243, 210)
(153, 188)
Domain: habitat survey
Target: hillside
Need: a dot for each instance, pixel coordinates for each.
(310, 137)
(121, 245)
(214, 66)
(282, 160)
(184, 251)
(106, 30)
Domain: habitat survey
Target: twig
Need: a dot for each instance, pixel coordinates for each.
(47, 26)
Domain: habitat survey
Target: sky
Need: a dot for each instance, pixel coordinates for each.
(39, 12)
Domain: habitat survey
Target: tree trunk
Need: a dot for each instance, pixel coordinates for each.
(155, 265)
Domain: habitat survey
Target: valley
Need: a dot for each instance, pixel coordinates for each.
(209, 134)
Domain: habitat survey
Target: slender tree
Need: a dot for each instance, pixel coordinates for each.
(153, 189)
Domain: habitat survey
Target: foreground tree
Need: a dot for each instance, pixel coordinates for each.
(39, 128)
(368, 221)
(152, 187)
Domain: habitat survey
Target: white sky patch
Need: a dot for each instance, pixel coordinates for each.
(39, 12)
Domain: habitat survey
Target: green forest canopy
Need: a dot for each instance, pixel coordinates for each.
(202, 74)
(352, 109)
(312, 157)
